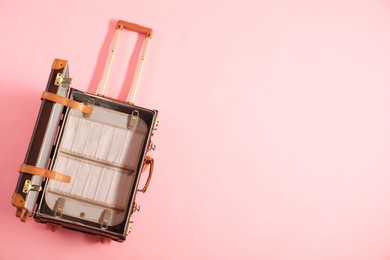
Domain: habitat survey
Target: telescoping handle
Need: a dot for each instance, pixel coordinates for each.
(138, 70)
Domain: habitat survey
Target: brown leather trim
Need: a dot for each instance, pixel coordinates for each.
(44, 173)
(18, 200)
(59, 64)
(134, 27)
(67, 102)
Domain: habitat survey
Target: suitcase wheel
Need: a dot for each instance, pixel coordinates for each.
(22, 214)
(54, 227)
(104, 240)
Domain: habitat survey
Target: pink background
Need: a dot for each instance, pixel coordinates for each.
(274, 135)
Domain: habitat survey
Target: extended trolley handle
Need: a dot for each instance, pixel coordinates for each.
(138, 70)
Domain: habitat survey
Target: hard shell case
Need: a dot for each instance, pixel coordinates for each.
(86, 154)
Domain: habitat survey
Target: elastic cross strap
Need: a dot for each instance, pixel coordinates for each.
(44, 173)
(67, 102)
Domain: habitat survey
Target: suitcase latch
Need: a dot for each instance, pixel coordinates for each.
(105, 219)
(60, 78)
(59, 207)
(132, 121)
(28, 186)
(90, 102)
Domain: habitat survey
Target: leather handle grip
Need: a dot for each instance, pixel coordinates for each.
(134, 27)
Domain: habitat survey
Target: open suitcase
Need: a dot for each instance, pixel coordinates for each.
(87, 153)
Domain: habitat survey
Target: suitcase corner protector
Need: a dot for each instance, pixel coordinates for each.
(18, 200)
(59, 64)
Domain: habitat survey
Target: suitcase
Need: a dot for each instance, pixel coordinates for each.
(87, 153)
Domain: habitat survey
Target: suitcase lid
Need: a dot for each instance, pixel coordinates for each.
(33, 170)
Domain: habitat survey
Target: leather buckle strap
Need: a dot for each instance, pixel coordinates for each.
(67, 102)
(44, 173)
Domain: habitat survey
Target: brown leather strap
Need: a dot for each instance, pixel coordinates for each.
(44, 173)
(67, 102)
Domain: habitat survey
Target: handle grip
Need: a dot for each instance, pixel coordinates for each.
(148, 162)
(134, 27)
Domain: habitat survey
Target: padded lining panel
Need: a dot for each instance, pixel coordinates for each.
(100, 154)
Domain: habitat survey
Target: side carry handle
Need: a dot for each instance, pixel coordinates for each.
(141, 58)
(148, 162)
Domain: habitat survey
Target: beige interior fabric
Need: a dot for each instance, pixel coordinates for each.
(100, 154)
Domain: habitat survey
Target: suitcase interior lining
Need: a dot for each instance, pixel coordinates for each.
(101, 156)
